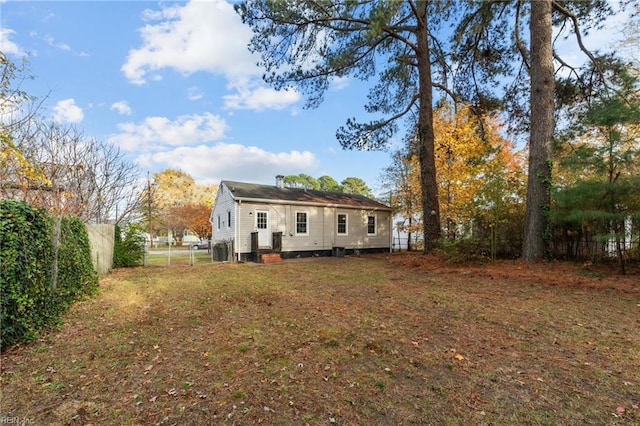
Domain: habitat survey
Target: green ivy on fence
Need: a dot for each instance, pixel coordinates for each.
(76, 277)
(36, 286)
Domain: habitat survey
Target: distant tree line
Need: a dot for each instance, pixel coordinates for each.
(350, 185)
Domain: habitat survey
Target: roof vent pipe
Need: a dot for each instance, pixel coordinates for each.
(280, 181)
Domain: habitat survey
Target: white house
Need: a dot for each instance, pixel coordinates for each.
(295, 222)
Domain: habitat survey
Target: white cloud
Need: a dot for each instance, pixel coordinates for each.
(339, 83)
(194, 94)
(155, 132)
(122, 107)
(203, 36)
(66, 111)
(48, 16)
(7, 46)
(199, 36)
(252, 96)
(232, 162)
(51, 42)
(62, 46)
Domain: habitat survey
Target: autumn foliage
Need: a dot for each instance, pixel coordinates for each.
(481, 182)
(480, 175)
(178, 204)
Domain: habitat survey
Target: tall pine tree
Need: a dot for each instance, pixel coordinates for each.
(306, 44)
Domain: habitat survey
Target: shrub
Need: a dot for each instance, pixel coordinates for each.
(128, 247)
(463, 250)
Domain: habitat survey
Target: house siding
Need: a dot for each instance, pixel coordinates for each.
(247, 222)
(357, 237)
(322, 227)
(223, 204)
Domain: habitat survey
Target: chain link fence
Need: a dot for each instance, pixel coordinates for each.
(220, 251)
(177, 256)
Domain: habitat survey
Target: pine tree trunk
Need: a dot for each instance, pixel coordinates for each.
(541, 132)
(430, 205)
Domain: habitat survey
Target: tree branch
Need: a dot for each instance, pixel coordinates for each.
(519, 43)
(576, 28)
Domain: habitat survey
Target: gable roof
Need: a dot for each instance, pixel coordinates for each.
(270, 193)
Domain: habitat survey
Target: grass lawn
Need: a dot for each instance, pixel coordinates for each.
(369, 340)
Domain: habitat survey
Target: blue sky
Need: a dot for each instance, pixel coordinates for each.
(173, 85)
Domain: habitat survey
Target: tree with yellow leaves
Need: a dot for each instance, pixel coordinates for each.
(481, 177)
(481, 181)
(179, 203)
(459, 160)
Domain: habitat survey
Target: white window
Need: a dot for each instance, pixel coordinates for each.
(342, 224)
(261, 219)
(371, 225)
(302, 224)
(218, 222)
(229, 219)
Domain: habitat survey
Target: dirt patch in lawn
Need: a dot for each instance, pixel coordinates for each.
(384, 339)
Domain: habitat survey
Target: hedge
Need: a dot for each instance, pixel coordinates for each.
(45, 265)
(128, 247)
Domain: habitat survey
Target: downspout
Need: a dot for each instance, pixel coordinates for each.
(236, 231)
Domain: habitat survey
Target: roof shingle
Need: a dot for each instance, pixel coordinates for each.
(243, 190)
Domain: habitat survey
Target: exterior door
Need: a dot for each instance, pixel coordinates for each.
(262, 226)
